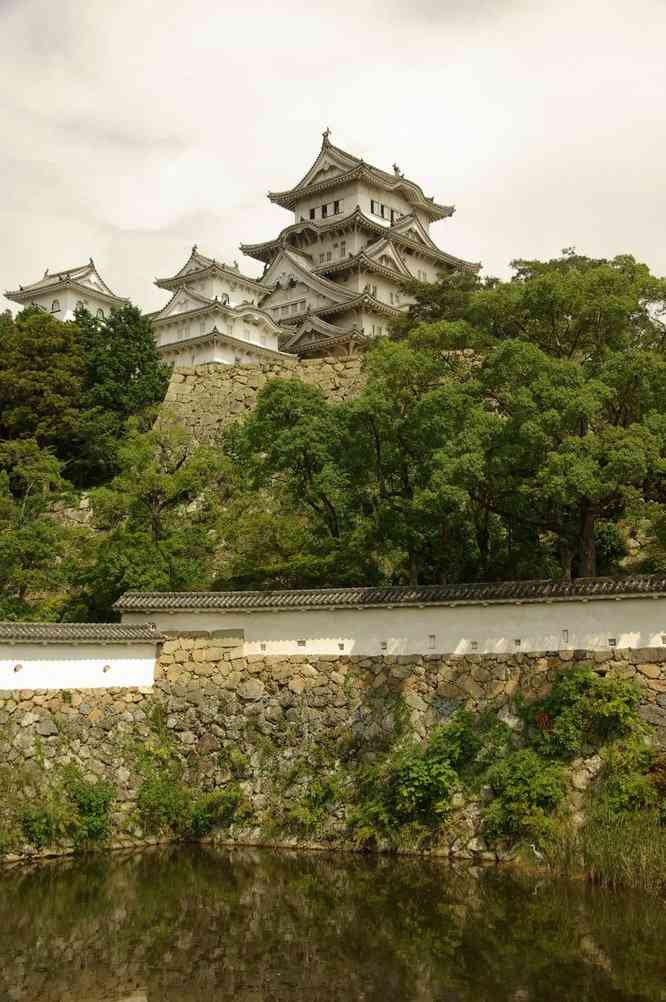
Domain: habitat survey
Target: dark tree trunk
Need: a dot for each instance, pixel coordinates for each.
(587, 545)
(566, 559)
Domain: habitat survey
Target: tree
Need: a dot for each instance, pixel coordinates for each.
(157, 518)
(123, 371)
(34, 546)
(42, 372)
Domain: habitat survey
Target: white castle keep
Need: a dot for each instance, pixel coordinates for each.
(333, 278)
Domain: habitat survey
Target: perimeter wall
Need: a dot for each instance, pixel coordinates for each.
(262, 722)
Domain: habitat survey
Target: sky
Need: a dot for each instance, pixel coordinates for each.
(134, 130)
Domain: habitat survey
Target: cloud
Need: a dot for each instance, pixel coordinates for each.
(131, 131)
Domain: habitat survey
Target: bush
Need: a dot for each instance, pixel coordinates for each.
(412, 784)
(216, 810)
(42, 826)
(91, 823)
(526, 791)
(583, 709)
(164, 803)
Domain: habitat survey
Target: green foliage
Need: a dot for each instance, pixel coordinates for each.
(413, 784)
(309, 812)
(92, 801)
(72, 386)
(35, 550)
(518, 464)
(159, 518)
(583, 709)
(68, 809)
(526, 791)
(169, 803)
(164, 803)
(42, 826)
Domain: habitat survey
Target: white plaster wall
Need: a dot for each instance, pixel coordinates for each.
(76, 666)
(632, 623)
(68, 301)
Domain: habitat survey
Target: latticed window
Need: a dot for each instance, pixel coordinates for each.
(55, 306)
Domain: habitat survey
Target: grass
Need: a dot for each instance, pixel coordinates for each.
(614, 851)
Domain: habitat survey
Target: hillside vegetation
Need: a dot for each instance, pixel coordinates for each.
(508, 429)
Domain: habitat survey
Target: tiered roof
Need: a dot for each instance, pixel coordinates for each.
(198, 266)
(77, 278)
(334, 166)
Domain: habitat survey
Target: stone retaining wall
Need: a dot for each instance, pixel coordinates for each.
(207, 397)
(270, 712)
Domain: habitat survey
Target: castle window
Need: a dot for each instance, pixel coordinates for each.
(100, 314)
(337, 207)
(324, 211)
(55, 306)
(312, 213)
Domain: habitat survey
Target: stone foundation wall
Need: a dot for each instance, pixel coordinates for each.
(207, 397)
(270, 712)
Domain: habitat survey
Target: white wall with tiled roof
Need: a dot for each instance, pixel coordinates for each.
(496, 628)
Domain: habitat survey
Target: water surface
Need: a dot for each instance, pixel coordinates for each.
(199, 925)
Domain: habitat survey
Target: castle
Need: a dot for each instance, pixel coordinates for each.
(333, 278)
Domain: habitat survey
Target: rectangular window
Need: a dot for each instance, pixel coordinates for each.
(384, 645)
(336, 207)
(293, 308)
(321, 259)
(343, 248)
(431, 641)
(474, 645)
(312, 213)
(324, 211)
(302, 306)
(383, 211)
(516, 643)
(329, 255)
(373, 205)
(284, 310)
(612, 642)
(565, 636)
(301, 643)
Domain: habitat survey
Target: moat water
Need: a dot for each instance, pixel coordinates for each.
(199, 925)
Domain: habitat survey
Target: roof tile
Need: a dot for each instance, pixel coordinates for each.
(502, 591)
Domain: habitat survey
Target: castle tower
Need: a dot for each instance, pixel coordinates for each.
(334, 275)
(60, 292)
(214, 316)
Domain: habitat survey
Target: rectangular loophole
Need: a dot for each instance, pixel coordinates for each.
(565, 636)
(300, 643)
(432, 640)
(262, 647)
(341, 647)
(516, 642)
(612, 642)
(384, 645)
(474, 645)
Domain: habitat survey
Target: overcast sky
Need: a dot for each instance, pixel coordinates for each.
(134, 129)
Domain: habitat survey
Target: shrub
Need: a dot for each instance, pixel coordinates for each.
(91, 823)
(42, 826)
(412, 784)
(583, 709)
(526, 791)
(163, 803)
(216, 810)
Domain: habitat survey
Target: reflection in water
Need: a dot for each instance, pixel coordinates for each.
(188, 925)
